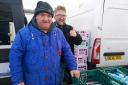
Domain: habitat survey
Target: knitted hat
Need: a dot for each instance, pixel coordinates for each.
(43, 7)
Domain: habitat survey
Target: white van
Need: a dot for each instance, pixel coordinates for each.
(107, 22)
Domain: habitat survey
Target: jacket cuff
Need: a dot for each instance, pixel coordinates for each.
(17, 80)
(73, 68)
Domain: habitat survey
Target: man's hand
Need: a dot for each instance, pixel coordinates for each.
(21, 83)
(75, 73)
(73, 33)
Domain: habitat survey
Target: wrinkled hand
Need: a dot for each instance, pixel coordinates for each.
(73, 33)
(21, 83)
(75, 73)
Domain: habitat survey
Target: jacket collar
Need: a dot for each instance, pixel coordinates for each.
(34, 30)
(59, 26)
(37, 32)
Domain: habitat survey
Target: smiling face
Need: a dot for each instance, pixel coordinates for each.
(44, 21)
(60, 17)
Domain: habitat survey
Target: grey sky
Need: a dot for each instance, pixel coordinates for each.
(69, 4)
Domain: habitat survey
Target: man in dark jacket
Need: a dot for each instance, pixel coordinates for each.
(72, 37)
(36, 51)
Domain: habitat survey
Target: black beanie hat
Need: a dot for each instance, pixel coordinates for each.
(43, 7)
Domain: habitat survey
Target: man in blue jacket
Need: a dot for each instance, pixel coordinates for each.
(36, 52)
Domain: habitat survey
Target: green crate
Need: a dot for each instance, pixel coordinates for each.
(93, 75)
(105, 71)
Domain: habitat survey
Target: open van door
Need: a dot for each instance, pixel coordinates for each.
(11, 20)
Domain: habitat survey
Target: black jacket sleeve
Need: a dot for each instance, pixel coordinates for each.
(77, 40)
(74, 40)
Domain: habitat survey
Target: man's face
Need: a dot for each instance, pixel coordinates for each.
(44, 21)
(60, 17)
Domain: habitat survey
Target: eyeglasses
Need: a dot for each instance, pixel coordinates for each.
(60, 15)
